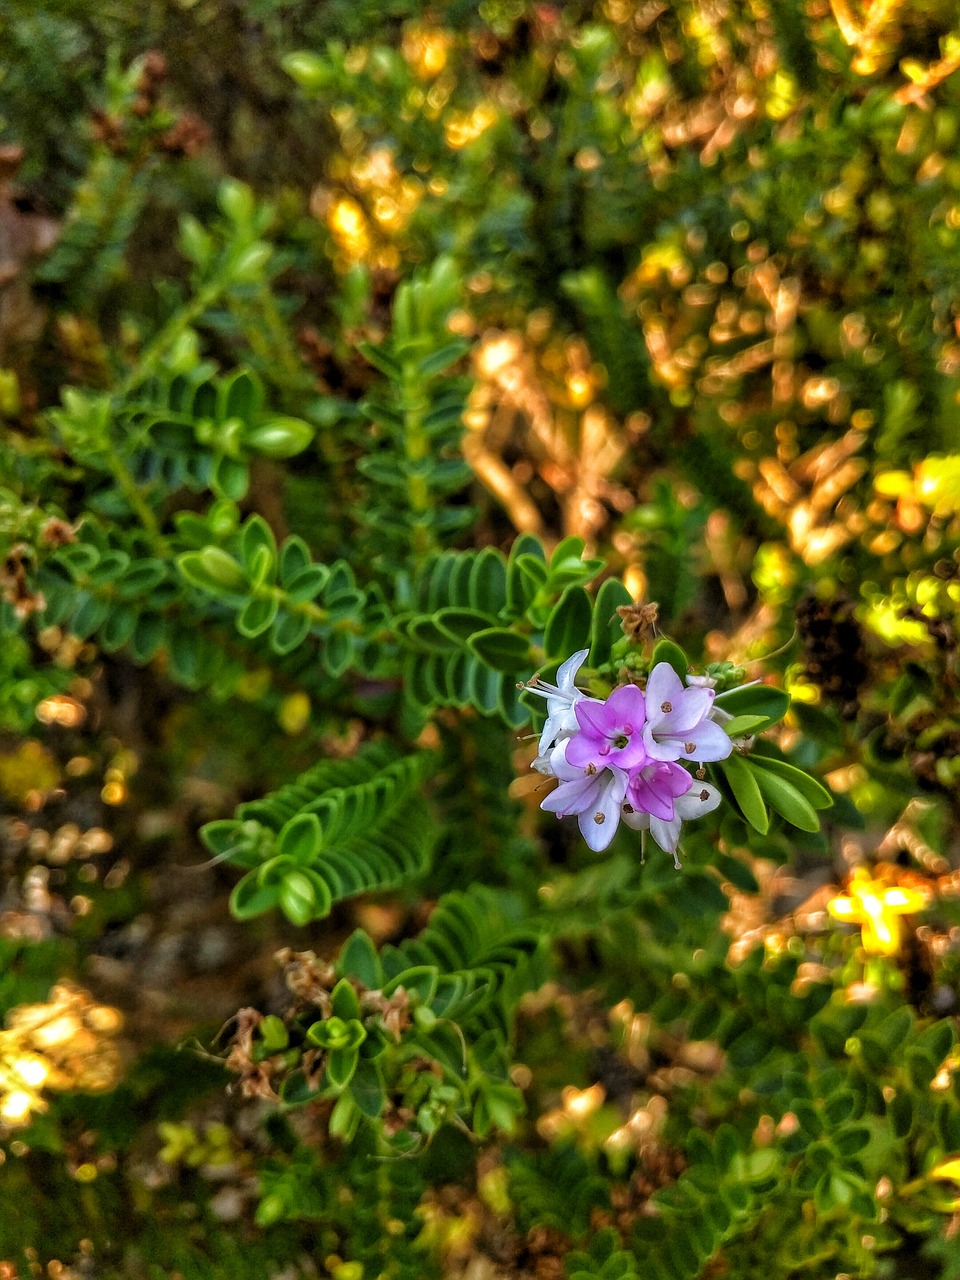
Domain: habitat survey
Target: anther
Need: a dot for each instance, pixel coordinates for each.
(628, 808)
(590, 770)
(689, 748)
(666, 707)
(704, 794)
(599, 819)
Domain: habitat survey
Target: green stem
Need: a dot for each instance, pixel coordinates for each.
(135, 499)
(416, 446)
(179, 322)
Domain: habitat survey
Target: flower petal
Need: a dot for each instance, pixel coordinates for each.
(709, 742)
(583, 750)
(595, 718)
(567, 670)
(689, 708)
(598, 825)
(663, 685)
(666, 834)
(627, 706)
(575, 796)
(668, 749)
(700, 799)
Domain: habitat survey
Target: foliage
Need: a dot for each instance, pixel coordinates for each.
(452, 339)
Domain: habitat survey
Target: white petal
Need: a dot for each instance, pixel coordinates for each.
(639, 820)
(666, 834)
(710, 742)
(567, 670)
(607, 808)
(700, 799)
(663, 686)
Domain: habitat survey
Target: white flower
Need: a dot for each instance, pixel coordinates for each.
(700, 799)
(561, 698)
(594, 795)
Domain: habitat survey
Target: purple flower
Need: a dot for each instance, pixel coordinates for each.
(611, 732)
(700, 799)
(654, 788)
(594, 795)
(678, 720)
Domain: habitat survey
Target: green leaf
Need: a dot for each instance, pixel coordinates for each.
(294, 558)
(367, 1089)
(337, 652)
(301, 838)
(358, 957)
(273, 1034)
(670, 653)
(815, 794)
(147, 637)
(849, 1141)
(501, 649)
(568, 549)
(344, 1118)
(90, 614)
(241, 395)
(344, 1002)
(785, 799)
(605, 627)
(307, 584)
(900, 1110)
(377, 356)
(257, 616)
(118, 628)
(756, 700)
(488, 582)
(341, 1064)
(420, 980)
(746, 791)
(568, 627)
(460, 624)
(211, 569)
(230, 478)
(741, 725)
(522, 584)
(424, 631)
(141, 578)
(304, 896)
(289, 632)
(257, 540)
(250, 899)
(221, 835)
(443, 358)
(280, 437)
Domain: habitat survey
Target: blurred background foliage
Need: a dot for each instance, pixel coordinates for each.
(701, 262)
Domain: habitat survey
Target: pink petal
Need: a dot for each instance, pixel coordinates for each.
(594, 718)
(627, 703)
(583, 749)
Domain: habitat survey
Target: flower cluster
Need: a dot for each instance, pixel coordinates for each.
(620, 758)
